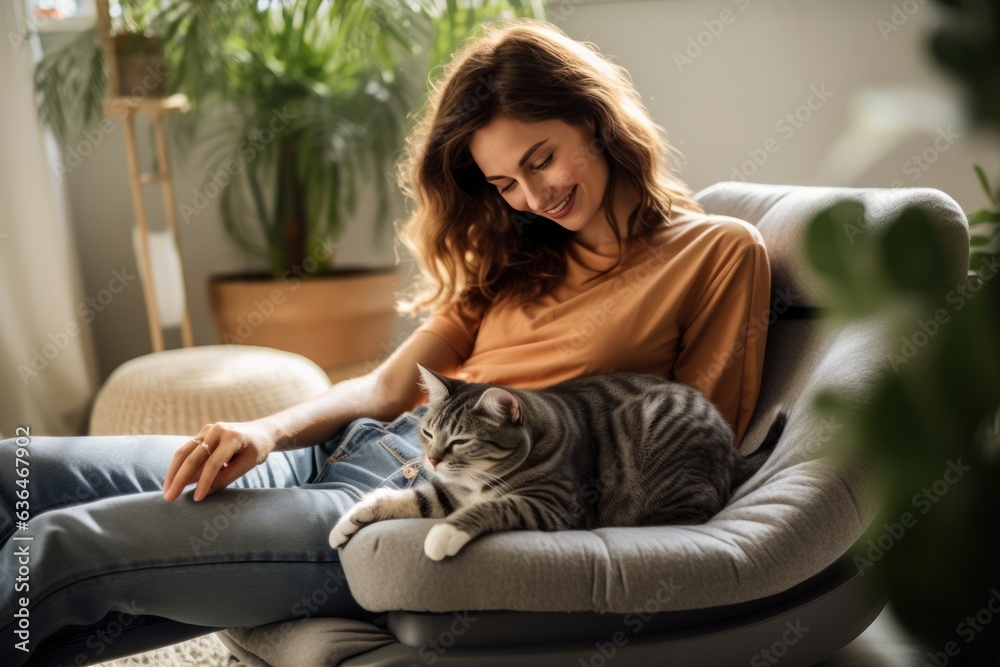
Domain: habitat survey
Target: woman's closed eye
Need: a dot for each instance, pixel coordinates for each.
(543, 165)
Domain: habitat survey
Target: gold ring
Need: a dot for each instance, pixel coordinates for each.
(206, 448)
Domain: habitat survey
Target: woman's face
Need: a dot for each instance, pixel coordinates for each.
(535, 166)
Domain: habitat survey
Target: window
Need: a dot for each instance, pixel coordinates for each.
(60, 15)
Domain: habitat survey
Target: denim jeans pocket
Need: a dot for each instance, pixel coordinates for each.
(391, 450)
(408, 471)
(408, 456)
(360, 431)
(354, 436)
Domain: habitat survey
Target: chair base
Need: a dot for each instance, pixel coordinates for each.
(801, 629)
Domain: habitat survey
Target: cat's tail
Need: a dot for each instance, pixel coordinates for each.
(747, 465)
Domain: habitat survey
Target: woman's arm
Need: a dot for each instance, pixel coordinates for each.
(722, 348)
(382, 394)
(236, 448)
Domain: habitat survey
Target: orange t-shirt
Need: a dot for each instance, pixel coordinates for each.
(691, 304)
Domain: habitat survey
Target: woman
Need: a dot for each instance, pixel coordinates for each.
(553, 242)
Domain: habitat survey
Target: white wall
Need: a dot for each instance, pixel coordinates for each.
(764, 62)
(762, 65)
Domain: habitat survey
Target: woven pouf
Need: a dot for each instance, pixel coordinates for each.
(179, 391)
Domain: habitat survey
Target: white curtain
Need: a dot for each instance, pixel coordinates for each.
(48, 369)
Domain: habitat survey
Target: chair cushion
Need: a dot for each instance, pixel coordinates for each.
(781, 213)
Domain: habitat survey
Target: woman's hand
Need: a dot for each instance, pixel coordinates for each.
(236, 448)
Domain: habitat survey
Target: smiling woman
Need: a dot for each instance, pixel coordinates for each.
(521, 119)
(556, 240)
(566, 184)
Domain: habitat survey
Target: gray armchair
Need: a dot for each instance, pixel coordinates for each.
(767, 578)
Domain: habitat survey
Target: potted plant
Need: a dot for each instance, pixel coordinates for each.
(74, 77)
(135, 54)
(299, 102)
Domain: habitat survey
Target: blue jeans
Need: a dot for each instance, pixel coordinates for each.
(103, 549)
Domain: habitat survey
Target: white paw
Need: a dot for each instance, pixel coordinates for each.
(357, 517)
(341, 532)
(443, 540)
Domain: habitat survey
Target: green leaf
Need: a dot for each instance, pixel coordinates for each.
(912, 252)
(832, 242)
(985, 183)
(838, 247)
(980, 216)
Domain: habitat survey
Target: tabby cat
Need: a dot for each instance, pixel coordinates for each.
(610, 449)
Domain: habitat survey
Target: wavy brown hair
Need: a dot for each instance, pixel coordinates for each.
(470, 244)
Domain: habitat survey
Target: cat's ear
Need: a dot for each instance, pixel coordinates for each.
(501, 403)
(435, 385)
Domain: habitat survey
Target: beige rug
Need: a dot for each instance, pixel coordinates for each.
(205, 651)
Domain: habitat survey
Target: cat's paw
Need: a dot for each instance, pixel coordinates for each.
(444, 539)
(342, 532)
(356, 518)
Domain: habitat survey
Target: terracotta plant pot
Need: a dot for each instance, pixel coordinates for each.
(342, 320)
(142, 65)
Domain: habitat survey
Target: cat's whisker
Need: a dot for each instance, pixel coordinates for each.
(496, 481)
(468, 474)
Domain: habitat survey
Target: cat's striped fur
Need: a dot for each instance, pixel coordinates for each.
(614, 449)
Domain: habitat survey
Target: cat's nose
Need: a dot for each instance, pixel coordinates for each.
(434, 462)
